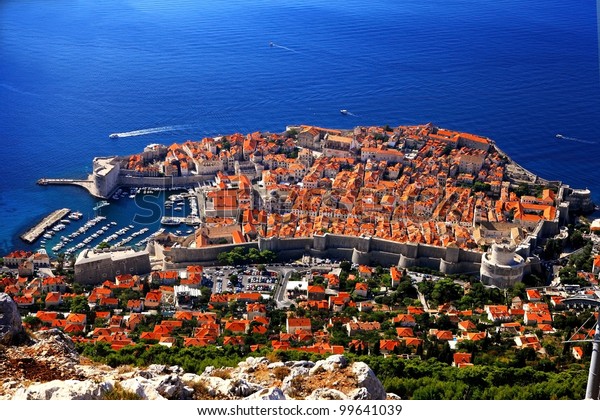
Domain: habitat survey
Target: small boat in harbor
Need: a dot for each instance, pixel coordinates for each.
(114, 136)
(170, 221)
(344, 111)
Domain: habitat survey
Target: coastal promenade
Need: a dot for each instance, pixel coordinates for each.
(35, 232)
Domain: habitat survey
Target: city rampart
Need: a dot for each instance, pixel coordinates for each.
(360, 250)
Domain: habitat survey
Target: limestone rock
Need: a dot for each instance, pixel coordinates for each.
(359, 394)
(303, 363)
(217, 386)
(243, 388)
(275, 365)
(286, 384)
(11, 326)
(191, 378)
(392, 396)
(327, 394)
(142, 387)
(338, 360)
(366, 379)
(54, 342)
(273, 393)
(64, 390)
(331, 364)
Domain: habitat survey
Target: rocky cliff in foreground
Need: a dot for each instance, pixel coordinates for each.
(46, 366)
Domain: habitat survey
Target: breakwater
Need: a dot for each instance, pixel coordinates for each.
(35, 232)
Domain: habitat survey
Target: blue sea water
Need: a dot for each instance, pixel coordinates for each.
(72, 72)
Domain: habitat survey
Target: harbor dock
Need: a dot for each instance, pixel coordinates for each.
(35, 232)
(88, 183)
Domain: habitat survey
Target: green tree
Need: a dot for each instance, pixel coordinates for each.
(445, 290)
(346, 266)
(79, 305)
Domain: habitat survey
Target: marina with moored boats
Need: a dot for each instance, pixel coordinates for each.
(59, 233)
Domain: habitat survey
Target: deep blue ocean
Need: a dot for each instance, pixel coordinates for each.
(72, 72)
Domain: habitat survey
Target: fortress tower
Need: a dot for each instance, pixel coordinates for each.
(501, 266)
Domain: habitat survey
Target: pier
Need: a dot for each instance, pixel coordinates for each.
(35, 232)
(85, 183)
(88, 183)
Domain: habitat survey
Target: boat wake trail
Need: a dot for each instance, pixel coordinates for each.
(153, 130)
(282, 47)
(560, 136)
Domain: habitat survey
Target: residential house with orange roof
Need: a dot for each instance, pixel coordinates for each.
(233, 340)
(361, 289)
(165, 277)
(247, 297)
(15, 258)
(528, 340)
(415, 310)
(53, 299)
(74, 318)
(357, 327)
(294, 324)
(461, 359)
(53, 284)
(218, 300)
(134, 320)
(315, 292)
(533, 295)
(315, 305)
(237, 326)
(498, 313)
(473, 336)
(467, 326)
(46, 317)
(537, 317)
(108, 302)
(135, 305)
(152, 300)
(339, 302)
(184, 315)
(197, 342)
(259, 329)
(404, 320)
(254, 310)
(403, 332)
(388, 346)
(396, 276)
(365, 271)
(443, 335)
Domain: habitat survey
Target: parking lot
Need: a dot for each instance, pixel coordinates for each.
(228, 279)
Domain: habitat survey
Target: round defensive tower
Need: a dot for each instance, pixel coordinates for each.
(501, 266)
